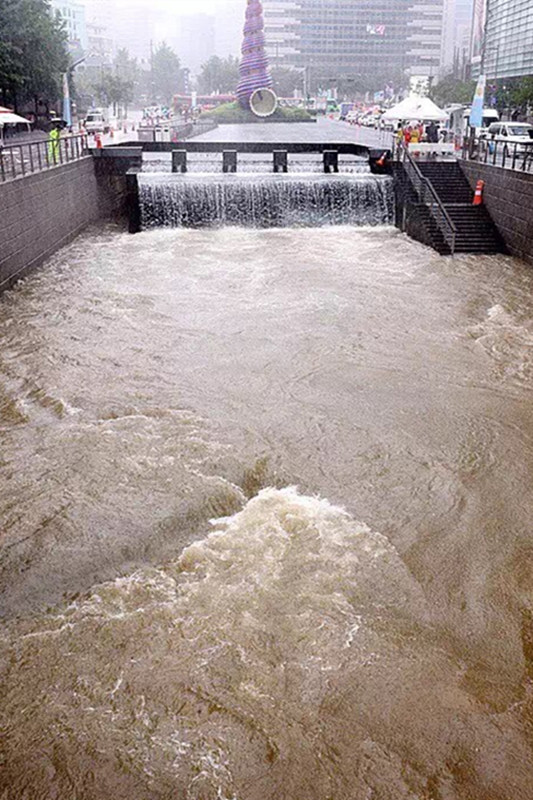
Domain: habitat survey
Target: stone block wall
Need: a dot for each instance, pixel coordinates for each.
(40, 213)
(508, 195)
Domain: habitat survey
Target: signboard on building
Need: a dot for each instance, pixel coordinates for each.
(376, 30)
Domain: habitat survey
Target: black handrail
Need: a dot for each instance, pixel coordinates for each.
(430, 198)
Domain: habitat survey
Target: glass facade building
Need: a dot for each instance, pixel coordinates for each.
(372, 42)
(507, 50)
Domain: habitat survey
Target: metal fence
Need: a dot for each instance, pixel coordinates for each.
(500, 153)
(25, 158)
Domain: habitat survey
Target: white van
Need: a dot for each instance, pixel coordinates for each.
(489, 116)
(96, 121)
(512, 133)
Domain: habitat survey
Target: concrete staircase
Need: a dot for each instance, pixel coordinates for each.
(476, 232)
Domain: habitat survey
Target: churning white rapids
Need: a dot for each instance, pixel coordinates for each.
(185, 614)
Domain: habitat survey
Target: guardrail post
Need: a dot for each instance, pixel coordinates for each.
(229, 161)
(280, 160)
(331, 161)
(179, 161)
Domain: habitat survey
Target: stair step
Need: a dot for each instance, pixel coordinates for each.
(474, 230)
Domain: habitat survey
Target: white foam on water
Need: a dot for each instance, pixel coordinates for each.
(508, 342)
(289, 653)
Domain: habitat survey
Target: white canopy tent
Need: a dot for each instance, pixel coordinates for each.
(8, 117)
(416, 108)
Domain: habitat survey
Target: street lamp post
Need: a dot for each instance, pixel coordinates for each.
(67, 110)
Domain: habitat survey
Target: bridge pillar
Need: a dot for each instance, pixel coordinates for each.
(229, 161)
(280, 160)
(331, 161)
(179, 161)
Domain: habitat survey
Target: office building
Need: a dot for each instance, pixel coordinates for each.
(73, 17)
(456, 35)
(371, 43)
(507, 49)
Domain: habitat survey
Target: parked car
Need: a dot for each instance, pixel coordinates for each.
(512, 133)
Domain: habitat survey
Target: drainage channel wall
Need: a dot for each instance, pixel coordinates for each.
(508, 195)
(40, 213)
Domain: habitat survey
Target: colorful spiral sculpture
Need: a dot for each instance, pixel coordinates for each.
(254, 72)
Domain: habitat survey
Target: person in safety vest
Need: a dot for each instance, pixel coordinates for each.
(53, 145)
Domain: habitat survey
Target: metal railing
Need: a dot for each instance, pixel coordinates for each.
(430, 199)
(17, 160)
(499, 152)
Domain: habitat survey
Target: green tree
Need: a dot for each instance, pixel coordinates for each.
(521, 94)
(451, 90)
(166, 74)
(219, 75)
(127, 71)
(111, 89)
(33, 54)
(126, 67)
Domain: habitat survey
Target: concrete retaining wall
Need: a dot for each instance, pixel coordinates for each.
(42, 212)
(508, 195)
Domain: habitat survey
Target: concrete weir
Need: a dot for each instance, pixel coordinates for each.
(262, 200)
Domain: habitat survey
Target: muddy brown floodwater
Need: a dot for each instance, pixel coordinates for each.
(265, 513)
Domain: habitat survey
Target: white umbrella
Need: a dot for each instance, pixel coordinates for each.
(416, 108)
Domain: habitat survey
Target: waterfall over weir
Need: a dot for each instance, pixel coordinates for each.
(264, 202)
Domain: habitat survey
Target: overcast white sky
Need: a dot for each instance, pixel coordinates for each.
(135, 24)
(178, 7)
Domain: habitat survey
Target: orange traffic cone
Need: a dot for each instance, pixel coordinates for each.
(478, 194)
(381, 160)
(98, 140)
